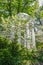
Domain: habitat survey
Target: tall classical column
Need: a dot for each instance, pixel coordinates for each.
(12, 36)
(19, 33)
(24, 40)
(33, 36)
(28, 36)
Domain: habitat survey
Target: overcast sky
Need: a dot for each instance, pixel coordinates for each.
(40, 2)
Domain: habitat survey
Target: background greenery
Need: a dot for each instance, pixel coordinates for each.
(12, 53)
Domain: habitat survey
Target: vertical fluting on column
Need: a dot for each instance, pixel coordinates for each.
(33, 36)
(28, 36)
(19, 32)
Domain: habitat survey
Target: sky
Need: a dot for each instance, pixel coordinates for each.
(40, 2)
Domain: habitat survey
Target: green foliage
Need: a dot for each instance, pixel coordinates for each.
(39, 14)
(12, 7)
(11, 54)
(3, 43)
